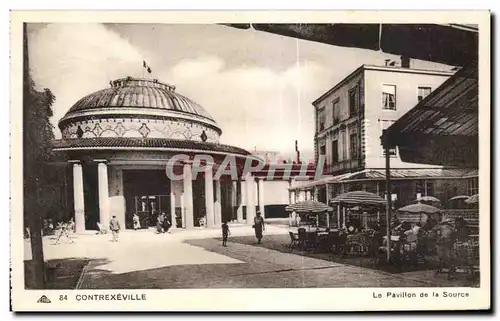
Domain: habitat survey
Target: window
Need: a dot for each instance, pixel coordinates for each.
(389, 97)
(423, 92)
(322, 150)
(424, 188)
(429, 188)
(336, 112)
(335, 151)
(321, 120)
(353, 140)
(353, 102)
(473, 186)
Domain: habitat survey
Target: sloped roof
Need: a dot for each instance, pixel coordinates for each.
(130, 143)
(396, 174)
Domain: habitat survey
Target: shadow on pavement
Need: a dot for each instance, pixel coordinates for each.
(62, 274)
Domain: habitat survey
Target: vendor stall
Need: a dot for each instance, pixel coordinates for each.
(370, 204)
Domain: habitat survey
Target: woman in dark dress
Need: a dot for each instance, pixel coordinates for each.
(258, 225)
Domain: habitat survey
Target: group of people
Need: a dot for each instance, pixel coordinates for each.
(163, 225)
(440, 236)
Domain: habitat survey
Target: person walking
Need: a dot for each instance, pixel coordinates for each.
(137, 222)
(258, 225)
(114, 226)
(225, 233)
(444, 245)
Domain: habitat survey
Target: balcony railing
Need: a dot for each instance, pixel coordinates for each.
(343, 166)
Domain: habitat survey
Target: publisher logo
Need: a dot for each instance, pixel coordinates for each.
(43, 299)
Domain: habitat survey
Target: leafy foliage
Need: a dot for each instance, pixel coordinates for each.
(40, 178)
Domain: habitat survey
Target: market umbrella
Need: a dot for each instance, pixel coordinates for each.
(474, 199)
(457, 201)
(359, 198)
(428, 199)
(459, 197)
(356, 198)
(415, 212)
(309, 207)
(419, 208)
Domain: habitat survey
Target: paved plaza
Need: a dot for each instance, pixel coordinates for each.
(196, 259)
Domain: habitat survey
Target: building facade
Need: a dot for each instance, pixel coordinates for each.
(350, 119)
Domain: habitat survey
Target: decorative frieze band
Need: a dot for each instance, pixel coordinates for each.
(142, 128)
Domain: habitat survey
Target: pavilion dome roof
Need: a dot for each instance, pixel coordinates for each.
(144, 96)
(137, 107)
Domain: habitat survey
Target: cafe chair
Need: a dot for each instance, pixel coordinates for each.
(302, 238)
(312, 240)
(294, 240)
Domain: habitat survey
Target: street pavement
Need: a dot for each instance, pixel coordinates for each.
(196, 259)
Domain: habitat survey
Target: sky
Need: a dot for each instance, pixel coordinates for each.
(259, 87)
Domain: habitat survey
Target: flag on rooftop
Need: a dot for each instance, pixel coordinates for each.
(145, 65)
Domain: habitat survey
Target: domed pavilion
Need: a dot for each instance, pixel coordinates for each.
(118, 141)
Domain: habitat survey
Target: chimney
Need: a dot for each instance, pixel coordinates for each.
(405, 61)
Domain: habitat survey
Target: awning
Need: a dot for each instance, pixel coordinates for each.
(458, 44)
(419, 173)
(396, 174)
(321, 182)
(443, 128)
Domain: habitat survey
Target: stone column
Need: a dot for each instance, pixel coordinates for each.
(172, 205)
(234, 198)
(102, 173)
(183, 210)
(338, 217)
(188, 195)
(308, 195)
(78, 197)
(261, 197)
(344, 218)
(250, 185)
(242, 200)
(327, 200)
(209, 196)
(217, 204)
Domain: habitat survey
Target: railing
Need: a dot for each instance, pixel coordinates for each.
(343, 166)
(466, 214)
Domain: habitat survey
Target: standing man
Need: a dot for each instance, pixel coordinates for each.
(258, 225)
(114, 226)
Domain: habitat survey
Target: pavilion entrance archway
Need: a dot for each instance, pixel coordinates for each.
(147, 193)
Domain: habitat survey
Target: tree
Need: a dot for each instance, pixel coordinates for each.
(37, 153)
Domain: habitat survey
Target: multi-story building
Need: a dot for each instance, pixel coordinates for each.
(350, 118)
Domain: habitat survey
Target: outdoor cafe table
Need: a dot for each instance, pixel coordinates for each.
(358, 244)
